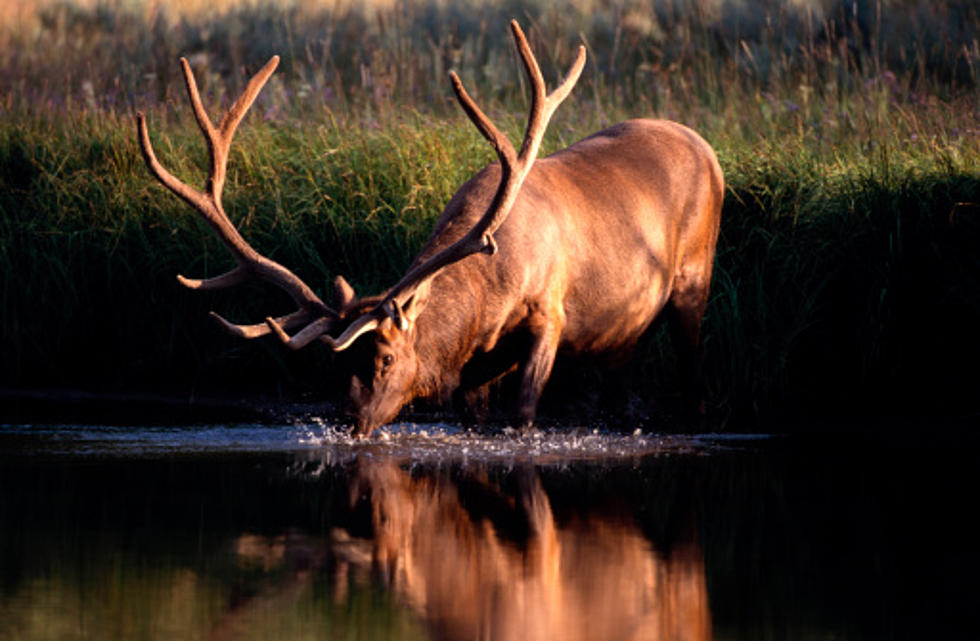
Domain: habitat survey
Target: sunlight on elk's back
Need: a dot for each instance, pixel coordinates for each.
(576, 253)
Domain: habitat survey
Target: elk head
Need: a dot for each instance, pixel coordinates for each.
(384, 367)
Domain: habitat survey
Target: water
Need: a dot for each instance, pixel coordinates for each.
(434, 532)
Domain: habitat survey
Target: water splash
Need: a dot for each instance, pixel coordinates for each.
(435, 442)
(431, 442)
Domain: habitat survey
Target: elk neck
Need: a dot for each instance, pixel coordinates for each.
(447, 329)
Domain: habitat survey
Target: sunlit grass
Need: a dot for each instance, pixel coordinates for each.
(847, 261)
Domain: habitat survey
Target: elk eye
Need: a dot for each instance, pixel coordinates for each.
(386, 361)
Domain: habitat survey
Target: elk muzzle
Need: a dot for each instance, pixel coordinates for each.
(371, 406)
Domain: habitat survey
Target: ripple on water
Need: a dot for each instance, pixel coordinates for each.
(412, 441)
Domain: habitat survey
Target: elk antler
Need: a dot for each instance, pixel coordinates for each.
(250, 264)
(514, 169)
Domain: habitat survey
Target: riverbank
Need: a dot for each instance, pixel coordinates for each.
(847, 275)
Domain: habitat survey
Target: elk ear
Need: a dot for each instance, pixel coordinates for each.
(414, 305)
(343, 293)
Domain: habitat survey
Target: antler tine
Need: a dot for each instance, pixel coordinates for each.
(219, 140)
(208, 203)
(283, 323)
(514, 169)
(304, 337)
(542, 106)
(500, 142)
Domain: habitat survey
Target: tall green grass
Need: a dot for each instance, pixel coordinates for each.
(847, 271)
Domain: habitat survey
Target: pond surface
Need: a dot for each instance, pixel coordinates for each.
(431, 532)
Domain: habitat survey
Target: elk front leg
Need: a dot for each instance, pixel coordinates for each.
(545, 331)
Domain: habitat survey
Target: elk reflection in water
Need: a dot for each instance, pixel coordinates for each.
(477, 562)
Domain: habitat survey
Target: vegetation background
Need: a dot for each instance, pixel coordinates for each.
(847, 279)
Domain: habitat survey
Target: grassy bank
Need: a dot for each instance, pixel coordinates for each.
(847, 273)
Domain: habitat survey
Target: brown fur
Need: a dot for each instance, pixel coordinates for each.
(603, 236)
(577, 252)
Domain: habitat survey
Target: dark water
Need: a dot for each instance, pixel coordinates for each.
(295, 532)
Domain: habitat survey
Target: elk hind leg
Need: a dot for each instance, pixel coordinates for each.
(684, 311)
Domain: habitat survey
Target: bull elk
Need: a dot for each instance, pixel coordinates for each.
(579, 252)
